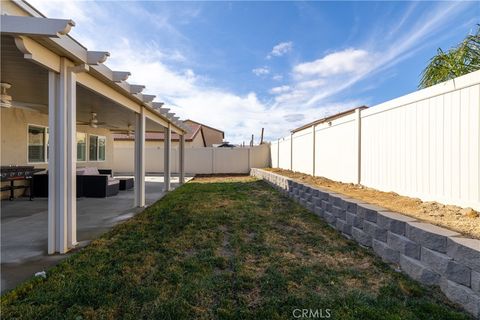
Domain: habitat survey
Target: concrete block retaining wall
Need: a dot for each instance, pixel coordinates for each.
(427, 253)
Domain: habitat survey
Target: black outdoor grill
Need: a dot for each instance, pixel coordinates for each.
(18, 173)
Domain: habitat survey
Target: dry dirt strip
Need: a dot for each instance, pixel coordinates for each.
(427, 253)
(463, 220)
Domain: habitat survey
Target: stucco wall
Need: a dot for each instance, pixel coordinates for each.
(14, 138)
(197, 142)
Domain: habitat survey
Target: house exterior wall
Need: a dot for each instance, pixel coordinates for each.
(197, 142)
(14, 139)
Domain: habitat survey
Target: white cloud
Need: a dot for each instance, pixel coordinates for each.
(280, 49)
(340, 62)
(262, 71)
(277, 77)
(311, 84)
(280, 89)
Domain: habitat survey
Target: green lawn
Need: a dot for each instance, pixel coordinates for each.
(229, 248)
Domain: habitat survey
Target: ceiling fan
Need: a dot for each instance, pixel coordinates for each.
(7, 102)
(93, 122)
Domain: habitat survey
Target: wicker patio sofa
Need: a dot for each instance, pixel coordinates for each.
(91, 182)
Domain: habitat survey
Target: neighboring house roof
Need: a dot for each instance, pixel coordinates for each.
(224, 145)
(329, 118)
(160, 136)
(195, 129)
(204, 125)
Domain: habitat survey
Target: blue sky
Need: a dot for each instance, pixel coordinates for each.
(241, 66)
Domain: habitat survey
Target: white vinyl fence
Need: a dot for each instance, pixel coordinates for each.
(425, 144)
(197, 160)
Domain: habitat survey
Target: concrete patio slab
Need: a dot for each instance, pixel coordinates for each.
(24, 228)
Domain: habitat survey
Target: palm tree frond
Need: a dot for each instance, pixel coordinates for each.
(457, 61)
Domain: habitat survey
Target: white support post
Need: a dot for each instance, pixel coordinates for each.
(167, 157)
(71, 136)
(358, 125)
(213, 159)
(278, 154)
(52, 146)
(62, 160)
(291, 151)
(182, 158)
(140, 159)
(313, 149)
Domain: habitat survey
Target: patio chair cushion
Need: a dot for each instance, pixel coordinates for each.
(112, 181)
(87, 171)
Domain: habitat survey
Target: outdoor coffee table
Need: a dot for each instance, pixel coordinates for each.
(126, 183)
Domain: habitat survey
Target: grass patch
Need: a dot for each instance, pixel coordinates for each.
(224, 248)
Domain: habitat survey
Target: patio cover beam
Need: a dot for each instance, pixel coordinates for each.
(119, 76)
(45, 41)
(148, 97)
(136, 88)
(99, 78)
(157, 105)
(32, 26)
(97, 57)
(163, 111)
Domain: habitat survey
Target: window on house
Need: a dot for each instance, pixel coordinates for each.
(97, 148)
(81, 146)
(101, 148)
(92, 152)
(37, 144)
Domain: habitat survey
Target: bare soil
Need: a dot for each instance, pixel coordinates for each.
(463, 220)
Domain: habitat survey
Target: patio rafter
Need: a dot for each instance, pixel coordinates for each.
(44, 41)
(32, 26)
